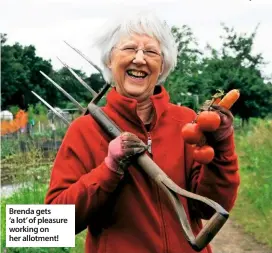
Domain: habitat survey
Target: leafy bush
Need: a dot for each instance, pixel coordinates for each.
(9, 147)
(14, 109)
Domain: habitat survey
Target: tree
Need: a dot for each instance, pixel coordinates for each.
(234, 66)
(96, 80)
(20, 75)
(3, 38)
(71, 85)
(184, 80)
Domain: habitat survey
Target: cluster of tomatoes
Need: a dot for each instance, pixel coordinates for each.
(193, 133)
(207, 121)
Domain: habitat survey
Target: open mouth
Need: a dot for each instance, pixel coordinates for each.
(137, 73)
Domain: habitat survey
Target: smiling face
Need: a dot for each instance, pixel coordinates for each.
(135, 72)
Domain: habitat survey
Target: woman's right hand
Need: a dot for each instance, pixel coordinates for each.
(121, 149)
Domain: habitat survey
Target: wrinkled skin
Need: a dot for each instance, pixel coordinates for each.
(121, 149)
(140, 89)
(225, 129)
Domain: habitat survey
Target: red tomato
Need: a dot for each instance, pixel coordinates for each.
(204, 154)
(191, 133)
(208, 121)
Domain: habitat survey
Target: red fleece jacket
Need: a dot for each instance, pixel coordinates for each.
(130, 214)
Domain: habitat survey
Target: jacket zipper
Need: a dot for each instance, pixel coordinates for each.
(149, 143)
(149, 149)
(165, 244)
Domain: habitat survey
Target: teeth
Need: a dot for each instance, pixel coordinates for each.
(136, 73)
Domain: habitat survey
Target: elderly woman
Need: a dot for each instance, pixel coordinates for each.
(123, 210)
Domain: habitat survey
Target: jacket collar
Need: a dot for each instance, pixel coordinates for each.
(127, 107)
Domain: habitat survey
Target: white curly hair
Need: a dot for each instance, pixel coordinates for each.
(140, 23)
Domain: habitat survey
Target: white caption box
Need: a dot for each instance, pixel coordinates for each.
(40, 226)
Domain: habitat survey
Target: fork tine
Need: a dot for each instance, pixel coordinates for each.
(64, 92)
(85, 57)
(78, 78)
(52, 109)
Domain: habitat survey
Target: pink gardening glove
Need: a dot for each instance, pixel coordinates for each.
(225, 129)
(121, 149)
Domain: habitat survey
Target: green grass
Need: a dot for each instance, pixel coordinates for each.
(253, 209)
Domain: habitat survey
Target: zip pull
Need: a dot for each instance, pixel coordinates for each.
(149, 143)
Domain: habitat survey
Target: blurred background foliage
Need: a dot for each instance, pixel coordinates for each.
(198, 74)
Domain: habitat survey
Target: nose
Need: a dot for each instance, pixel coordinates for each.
(139, 57)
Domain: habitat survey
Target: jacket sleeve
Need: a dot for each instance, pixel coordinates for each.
(219, 180)
(75, 180)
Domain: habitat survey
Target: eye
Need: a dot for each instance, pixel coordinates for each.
(129, 49)
(152, 52)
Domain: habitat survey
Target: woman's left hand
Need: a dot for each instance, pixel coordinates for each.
(225, 129)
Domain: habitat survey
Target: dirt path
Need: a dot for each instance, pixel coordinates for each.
(232, 239)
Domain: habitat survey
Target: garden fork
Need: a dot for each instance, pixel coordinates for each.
(171, 189)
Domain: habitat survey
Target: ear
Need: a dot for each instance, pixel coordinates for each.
(162, 68)
(109, 65)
